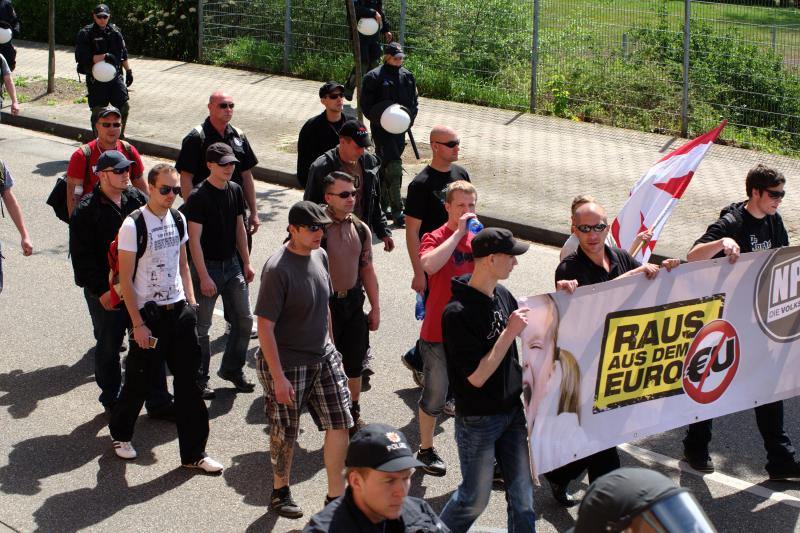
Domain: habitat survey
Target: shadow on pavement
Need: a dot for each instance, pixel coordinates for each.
(38, 458)
(24, 390)
(83, 508)
(51, 168)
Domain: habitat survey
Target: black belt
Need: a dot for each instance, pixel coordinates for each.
(170, 307)
(344, 294)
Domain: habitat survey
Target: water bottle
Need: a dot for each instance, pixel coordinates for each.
(474, 225)
(419, 310)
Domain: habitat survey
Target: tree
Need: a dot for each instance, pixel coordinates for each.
(51, 41)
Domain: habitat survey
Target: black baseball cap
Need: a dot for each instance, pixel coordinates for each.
(305, 213)
(394, 49)
(329, 87)
(380, 447)
(101, 9)
(356, 131)
(220, 153)
(109, 110)
(490, 241)
(113, 159)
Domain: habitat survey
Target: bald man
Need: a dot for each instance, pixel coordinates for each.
(594, 262)
(191, 161)
(425, 209)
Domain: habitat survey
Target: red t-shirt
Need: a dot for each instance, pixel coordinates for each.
(77, 164)
(439, 287)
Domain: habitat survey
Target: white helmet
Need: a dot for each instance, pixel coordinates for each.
(104, 72)
(367, 26)
(395, 119)
(5, 35)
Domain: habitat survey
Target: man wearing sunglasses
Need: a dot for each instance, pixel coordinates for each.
(351, 157)
(299, 366)
(348, 242)
(81, 177)
(749, 226)
(321, 132)
(389, 84)
(160, 302)
(103, 41)
(94, 224)
(594, 262)
(216, 234)
(217, 127)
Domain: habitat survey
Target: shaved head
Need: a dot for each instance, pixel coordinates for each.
(439, 133)
(589, 209)
(218, 96)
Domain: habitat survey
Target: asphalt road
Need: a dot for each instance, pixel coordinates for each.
(59, 473)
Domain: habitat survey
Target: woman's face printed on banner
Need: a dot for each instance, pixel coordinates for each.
(538, 353)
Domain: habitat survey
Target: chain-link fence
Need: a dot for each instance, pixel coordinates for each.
(672, 66)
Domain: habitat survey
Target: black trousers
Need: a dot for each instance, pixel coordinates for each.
(598, 464)
(176, 332)
(350, 329)
(769, 419)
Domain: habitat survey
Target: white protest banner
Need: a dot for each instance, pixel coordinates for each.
(633, 357)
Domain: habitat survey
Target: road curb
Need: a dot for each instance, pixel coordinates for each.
(272, 175)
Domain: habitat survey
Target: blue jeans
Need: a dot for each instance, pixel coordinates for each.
(109, 330)
(480, 439)
(228, 278)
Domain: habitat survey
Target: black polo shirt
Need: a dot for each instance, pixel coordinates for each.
(578, 266)
(192, 157)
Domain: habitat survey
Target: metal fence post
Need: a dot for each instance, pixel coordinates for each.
(687, 14)
(535, 54)
(774, 32)
(200, 32)
(287, 36)
(403, 8)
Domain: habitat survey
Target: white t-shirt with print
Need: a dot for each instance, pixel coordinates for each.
(158, 276)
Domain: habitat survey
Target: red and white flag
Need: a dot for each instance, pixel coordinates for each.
(657, 191)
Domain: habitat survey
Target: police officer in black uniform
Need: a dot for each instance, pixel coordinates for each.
(102, 41)
(389, 83)
(369, 44)
(9, 20)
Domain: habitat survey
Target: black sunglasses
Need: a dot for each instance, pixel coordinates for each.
(335, 96)
(117, 171)
(775, 195)
(597, 228)
(165, 190)
(111, 124)
(344, 195)
(102, 16)
(313, 228)
(450, 144)
(226, 105)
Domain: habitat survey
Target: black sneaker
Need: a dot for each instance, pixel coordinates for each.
(561, 494)
(699, 463)
(434, 465)
(418, 376)
(282, 503)
(240, 382)
(498, 483)
(207, 392)
(789, 472)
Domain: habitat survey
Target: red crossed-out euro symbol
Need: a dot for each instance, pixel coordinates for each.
(711, 362)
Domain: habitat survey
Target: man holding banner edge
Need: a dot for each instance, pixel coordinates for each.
(594, 262)
(749, 226)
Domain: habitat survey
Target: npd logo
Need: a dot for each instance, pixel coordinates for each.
(777, 295)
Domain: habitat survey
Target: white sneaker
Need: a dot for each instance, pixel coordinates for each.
(124, 450)
(206, 464)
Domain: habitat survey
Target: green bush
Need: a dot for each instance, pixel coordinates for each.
(156, 28)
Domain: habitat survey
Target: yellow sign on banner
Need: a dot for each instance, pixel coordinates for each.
(643, 350)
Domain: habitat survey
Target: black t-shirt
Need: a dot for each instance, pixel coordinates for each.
(192, 157)
(578, 266)
(426, 195)
(471, 324)
(217, 210)
(750, 233)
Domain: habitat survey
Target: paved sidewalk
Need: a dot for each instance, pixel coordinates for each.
(526, 168)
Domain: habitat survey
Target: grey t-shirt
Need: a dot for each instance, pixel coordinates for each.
(294, 295)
